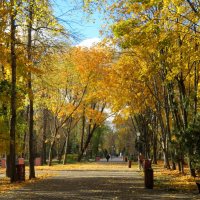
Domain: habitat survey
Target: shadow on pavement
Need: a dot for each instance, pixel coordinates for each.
(92, 188)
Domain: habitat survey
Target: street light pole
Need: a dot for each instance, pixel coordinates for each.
(138, 141)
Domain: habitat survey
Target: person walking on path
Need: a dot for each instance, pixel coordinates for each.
(107, 157)
(140, 161)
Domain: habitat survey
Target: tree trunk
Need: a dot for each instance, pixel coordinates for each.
(166, 159)
(192, 170)
(25, 133)
(31, 122)
(173, 160)
(154, 148)
(50, 152)
(45, 113)
(24, 143)
(195, 106)
(179, 165)
(174, 107)
(85, 147)
(13, 94)
(182, 165)
(196, 81)
(173, 165)
(65, 150)
(31, 145)
(61, 152)
(183, 101)
(83, 129)
(163, 128)
(90, 134)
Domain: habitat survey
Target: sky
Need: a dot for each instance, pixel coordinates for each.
(84, 28)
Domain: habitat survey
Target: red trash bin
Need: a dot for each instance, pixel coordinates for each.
(146, 164)
(3, 163)
(20, 169)
(37, 161)
(20, 161)
(97, 158)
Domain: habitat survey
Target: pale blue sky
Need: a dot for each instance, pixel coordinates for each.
(72, 17)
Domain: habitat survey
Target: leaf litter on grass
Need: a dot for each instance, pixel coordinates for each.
(173, 180)
(5, 184)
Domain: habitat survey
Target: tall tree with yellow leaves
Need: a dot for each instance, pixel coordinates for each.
(13, 90)
(163, 37)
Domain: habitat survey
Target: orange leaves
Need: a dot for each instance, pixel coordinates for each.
(91, 67)
(75, 82)
(128, 86)
(66, 110)
(89, 63)
(96, 116)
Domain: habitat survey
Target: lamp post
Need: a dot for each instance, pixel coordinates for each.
(138, 135)
(138, 149)
(138, 141)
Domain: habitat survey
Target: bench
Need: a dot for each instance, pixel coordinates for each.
(198, 185)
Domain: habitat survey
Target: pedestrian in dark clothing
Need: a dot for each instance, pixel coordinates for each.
(107, 157)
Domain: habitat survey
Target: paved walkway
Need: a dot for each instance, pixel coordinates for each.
(94, 185)
(112, 159)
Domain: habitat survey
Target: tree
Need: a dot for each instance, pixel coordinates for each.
(161, 38)
(31, 122)
(13, 91)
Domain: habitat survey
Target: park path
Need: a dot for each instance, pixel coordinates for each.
(105, 183)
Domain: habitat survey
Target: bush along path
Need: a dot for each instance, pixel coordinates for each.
(95, 181)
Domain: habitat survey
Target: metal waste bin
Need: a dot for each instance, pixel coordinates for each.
(148, 178)
(129, 163)
(198, 185)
